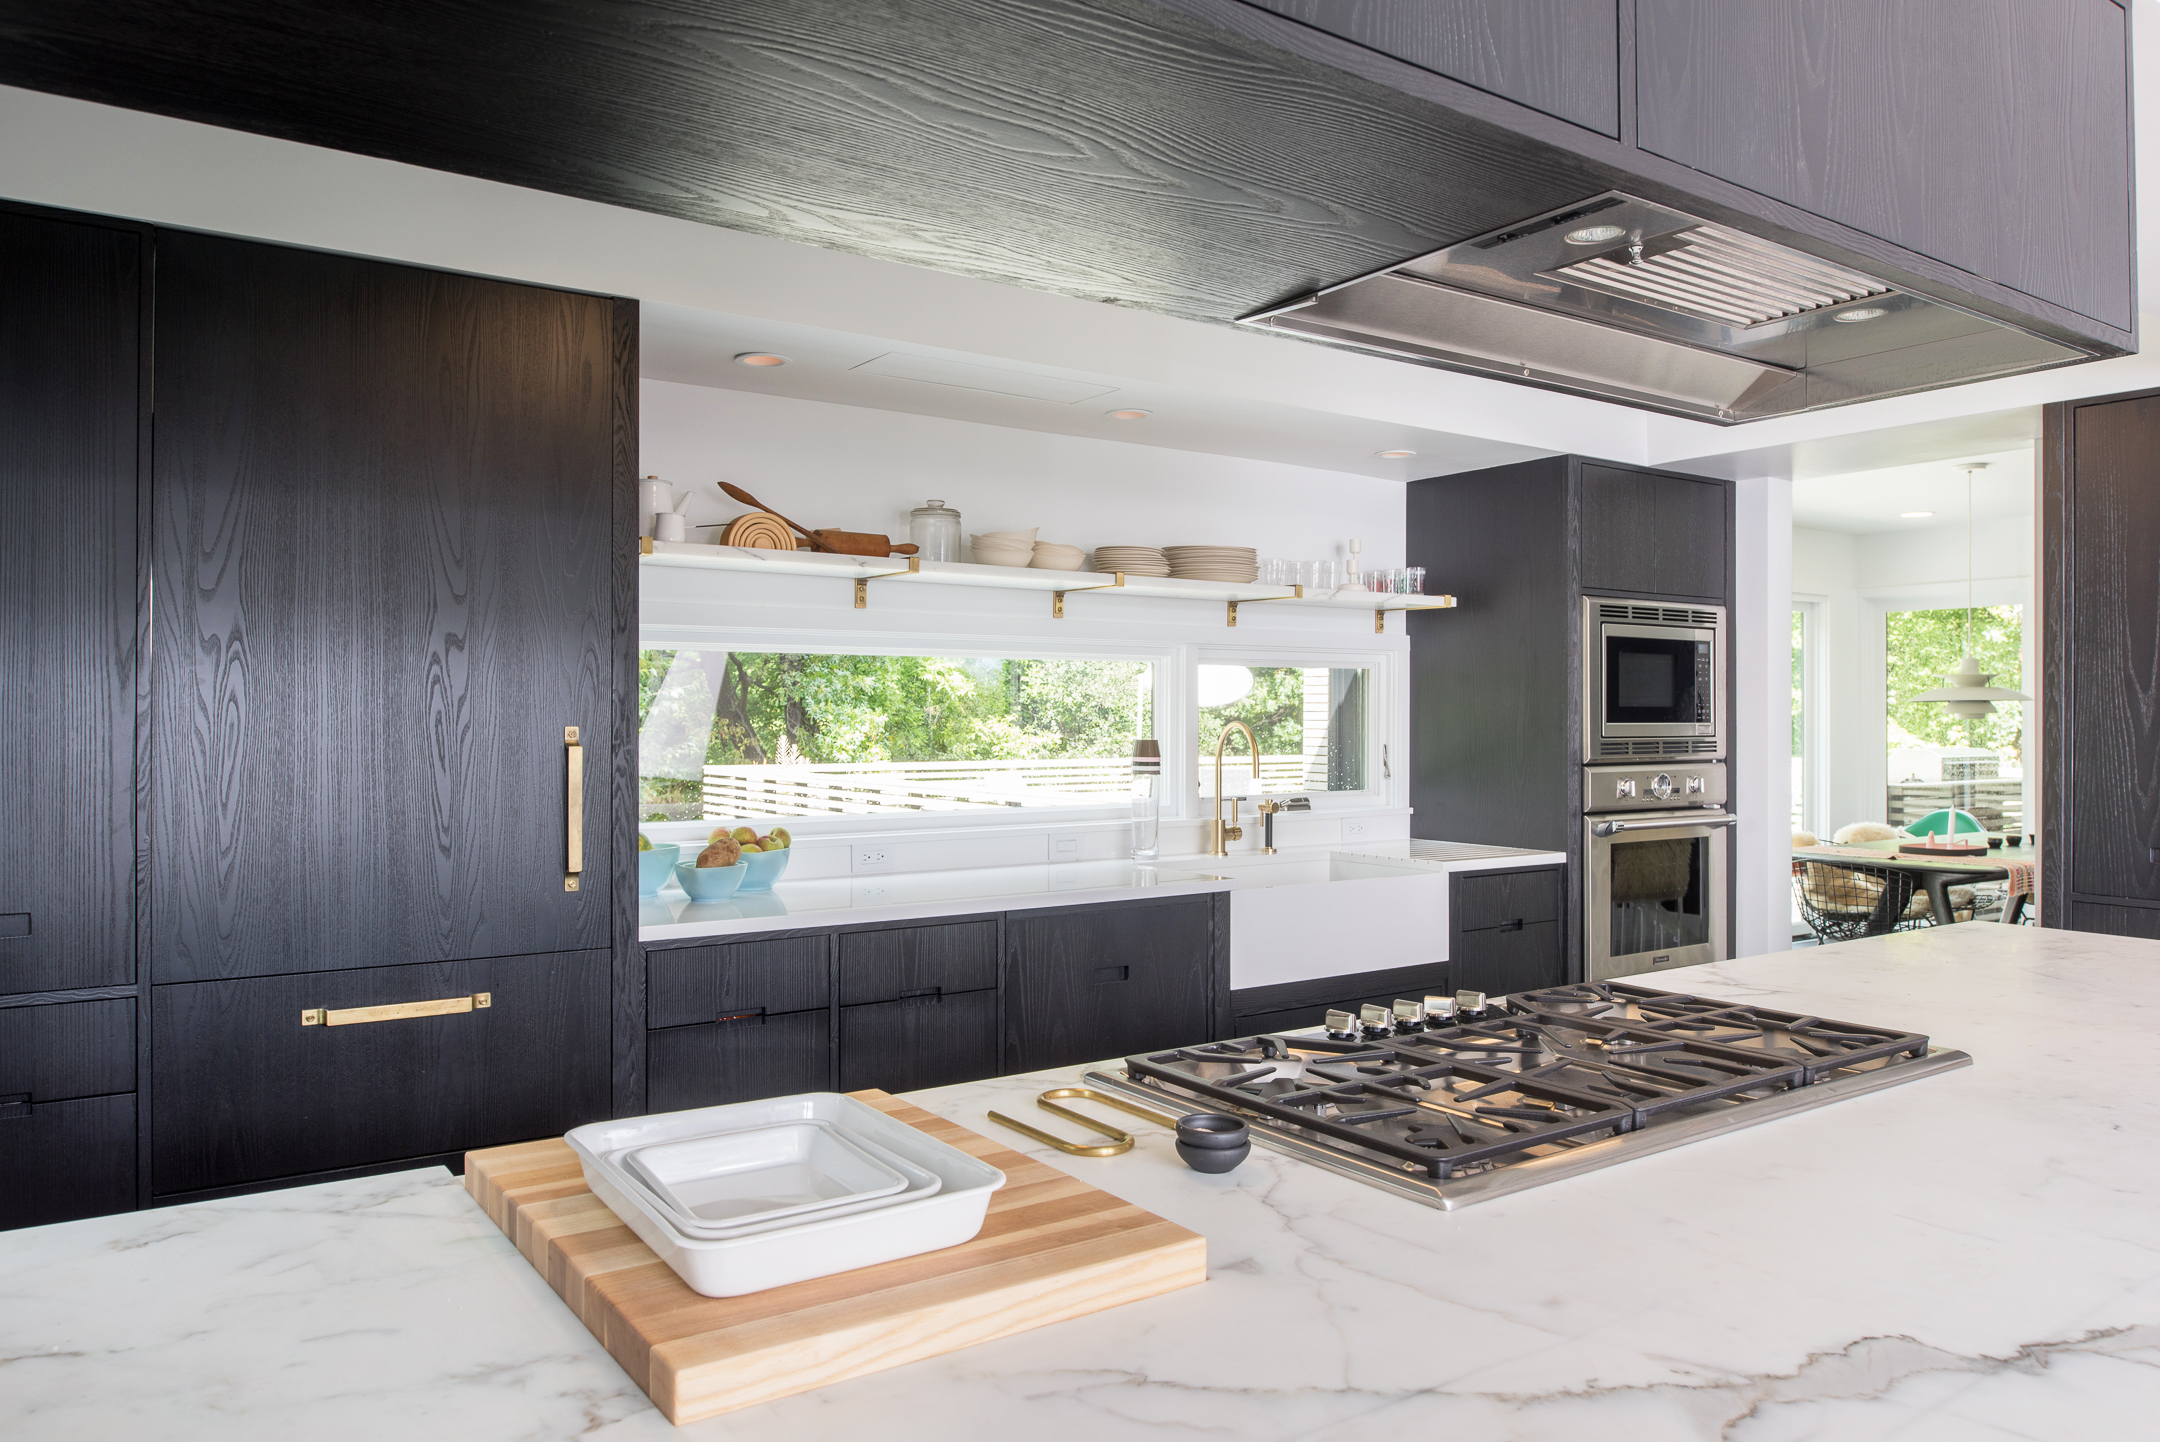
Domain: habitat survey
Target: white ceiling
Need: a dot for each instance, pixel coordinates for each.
(1862, 501)
(698, 347)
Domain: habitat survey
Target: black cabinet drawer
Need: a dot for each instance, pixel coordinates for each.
(738, 1061)
(245, 1092)
(1481, 899)
(1503, 961)
(695, 984)
(63, 1160)
(72, 1049)
(930, 1041)
(917, 961)
(1106, 981)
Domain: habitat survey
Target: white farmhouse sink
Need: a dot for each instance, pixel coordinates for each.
(1293, 918)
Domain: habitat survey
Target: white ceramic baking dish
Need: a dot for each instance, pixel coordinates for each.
(920, 1183)
(762, 1174)
(816, 1246)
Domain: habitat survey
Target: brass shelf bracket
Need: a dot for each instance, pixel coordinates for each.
(862, 583)
(1057, 598)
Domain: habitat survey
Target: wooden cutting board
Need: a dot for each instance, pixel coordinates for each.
(1052, 1247)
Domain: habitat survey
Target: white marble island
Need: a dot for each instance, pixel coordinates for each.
(1969, 1256)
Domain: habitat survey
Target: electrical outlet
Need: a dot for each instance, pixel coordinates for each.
(1356, 830)
(872, 858)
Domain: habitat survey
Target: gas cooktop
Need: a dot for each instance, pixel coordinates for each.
(1540, 1086)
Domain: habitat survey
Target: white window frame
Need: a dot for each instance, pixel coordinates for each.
(1172, 675)
(1814, 773)
(1387, 784)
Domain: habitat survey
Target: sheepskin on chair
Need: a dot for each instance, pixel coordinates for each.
(1864, 831)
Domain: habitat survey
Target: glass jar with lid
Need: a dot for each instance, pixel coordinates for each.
(935, 530)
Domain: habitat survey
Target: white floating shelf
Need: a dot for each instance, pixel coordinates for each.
(863, 570)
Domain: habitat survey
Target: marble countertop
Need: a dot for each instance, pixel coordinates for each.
(1970, 1256)
(904, 896)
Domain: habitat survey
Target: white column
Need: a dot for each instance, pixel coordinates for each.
(1762, 716)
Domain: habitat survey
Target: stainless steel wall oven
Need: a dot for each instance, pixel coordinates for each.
(1655, 848)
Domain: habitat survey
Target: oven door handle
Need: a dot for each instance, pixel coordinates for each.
(1612, 828)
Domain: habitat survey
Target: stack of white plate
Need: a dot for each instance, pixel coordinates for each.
(1237, 564)
(1132, 560)
(738, 1199)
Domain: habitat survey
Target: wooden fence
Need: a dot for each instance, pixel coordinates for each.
(871, 787)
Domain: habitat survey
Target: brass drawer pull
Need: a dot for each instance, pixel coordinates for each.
(573, 808)
(397, 1011)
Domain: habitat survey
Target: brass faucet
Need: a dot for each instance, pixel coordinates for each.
(1219, 835)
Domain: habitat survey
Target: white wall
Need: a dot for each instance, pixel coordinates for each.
(1858, 580)
(864, 470)
(1761, 661)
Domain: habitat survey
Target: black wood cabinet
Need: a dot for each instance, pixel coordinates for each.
(1644, 532)
(2100, 665)
(71, 299)
(1496, 704)
(739, 1060)
(932, 1040)
(1991, 134)
(1558, 56)
(1086, 983)
(65, 1051)
(382, 564)
(248, 1089)
(916, 961)
(63, 1160)
(698, 984)
(1505, 930)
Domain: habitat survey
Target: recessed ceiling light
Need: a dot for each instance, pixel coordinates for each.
(1128, 415)
(1859, 312)
(1595, 234)
(1394, 455)
(1914, 515)
(760, 358)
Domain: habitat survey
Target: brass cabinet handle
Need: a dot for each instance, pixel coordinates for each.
(573, 808)
(397, 1011)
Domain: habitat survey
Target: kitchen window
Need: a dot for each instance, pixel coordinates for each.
(1314, 724)
(738, 733)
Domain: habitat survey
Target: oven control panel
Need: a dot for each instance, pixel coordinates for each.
(1675, 785)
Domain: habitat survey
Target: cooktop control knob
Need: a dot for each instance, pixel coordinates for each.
(1661, 786)
(1623, 789)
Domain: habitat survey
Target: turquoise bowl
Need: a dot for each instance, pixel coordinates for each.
(710, 883)
(653, 867)
(765, 868)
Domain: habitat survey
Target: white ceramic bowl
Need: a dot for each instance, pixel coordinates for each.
(1051, 557)
(1009, 538)
(984, 557)
(817, 1247)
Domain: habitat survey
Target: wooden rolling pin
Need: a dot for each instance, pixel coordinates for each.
(843, 543)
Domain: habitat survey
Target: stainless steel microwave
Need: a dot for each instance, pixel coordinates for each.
(1653, 680)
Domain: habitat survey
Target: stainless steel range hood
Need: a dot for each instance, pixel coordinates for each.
(1628, 301)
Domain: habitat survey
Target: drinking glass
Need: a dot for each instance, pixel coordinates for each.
(1416, 584)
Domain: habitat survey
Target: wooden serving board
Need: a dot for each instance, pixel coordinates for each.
(1052, 1247)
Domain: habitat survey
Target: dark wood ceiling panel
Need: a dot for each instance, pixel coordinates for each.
(1111, 150)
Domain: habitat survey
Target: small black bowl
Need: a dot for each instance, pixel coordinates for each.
(1213, 1141)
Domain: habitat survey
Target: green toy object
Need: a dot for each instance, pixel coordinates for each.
(1945, 822)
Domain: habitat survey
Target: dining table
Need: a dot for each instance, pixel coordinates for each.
(2018, 867)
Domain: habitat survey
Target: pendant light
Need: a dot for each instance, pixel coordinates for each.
(1966, 691)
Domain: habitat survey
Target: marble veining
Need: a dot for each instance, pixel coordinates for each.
(1971, 1256)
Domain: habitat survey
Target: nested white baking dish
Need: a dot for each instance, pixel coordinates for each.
(920, 1183)
(762, 1174)
(794, 1251)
